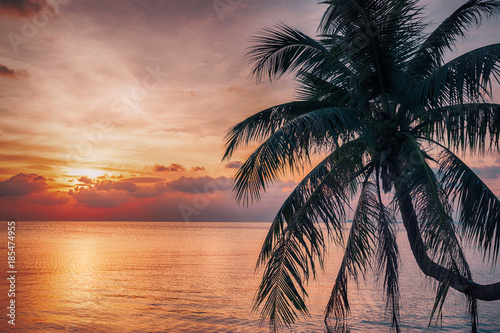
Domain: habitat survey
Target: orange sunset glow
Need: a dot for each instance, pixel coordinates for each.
(117, 110)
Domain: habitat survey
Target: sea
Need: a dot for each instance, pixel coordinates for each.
(192, 277)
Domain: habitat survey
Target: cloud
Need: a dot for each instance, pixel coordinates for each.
(146, 192)
(144, 180)
(205, 184)
(487, 173)
(105, 193)
(234, 165)
(85, 180)
(6, 71)
(174, 167)
(197, 168)
(184, 199)
(22, 185)
(21, 7)
(108, 193)
(11, 73)
(16, 158)
(109, 185)
(49, 198)
(94, 198)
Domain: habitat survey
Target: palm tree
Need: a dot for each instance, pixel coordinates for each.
(388, 116)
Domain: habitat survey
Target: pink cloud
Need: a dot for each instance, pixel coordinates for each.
(174, 167)
(49, 198)
(197, 168)
(184, 199)
(105, 193)
(144, 180)
(234, 165)
(147, 192)
(11, 73)
(205, 184)
(85, 180)
(95, 198)
(488, 173)
(6, 71)
(109, 185)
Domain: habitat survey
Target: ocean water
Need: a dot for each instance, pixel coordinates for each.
(191, 277)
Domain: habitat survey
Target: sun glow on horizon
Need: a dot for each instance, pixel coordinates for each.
(91, 173)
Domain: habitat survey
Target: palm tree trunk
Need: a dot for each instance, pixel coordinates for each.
(489, 292)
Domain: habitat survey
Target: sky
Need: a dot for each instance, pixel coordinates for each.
(117, 110)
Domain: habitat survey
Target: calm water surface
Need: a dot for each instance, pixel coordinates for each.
(189, 277)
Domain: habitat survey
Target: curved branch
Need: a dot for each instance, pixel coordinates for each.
(488, 292)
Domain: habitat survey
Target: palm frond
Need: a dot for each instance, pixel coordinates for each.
(465, 79)
(358, 251)
(388, 256)
(378, 40)
(319, 197)
(295, 241)
(282, 286)
(261, 125)
(320, 87)
(289, 148)
(431, 52)
(479, 207)
(343, 16)
(465, 126)
(286, 50)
